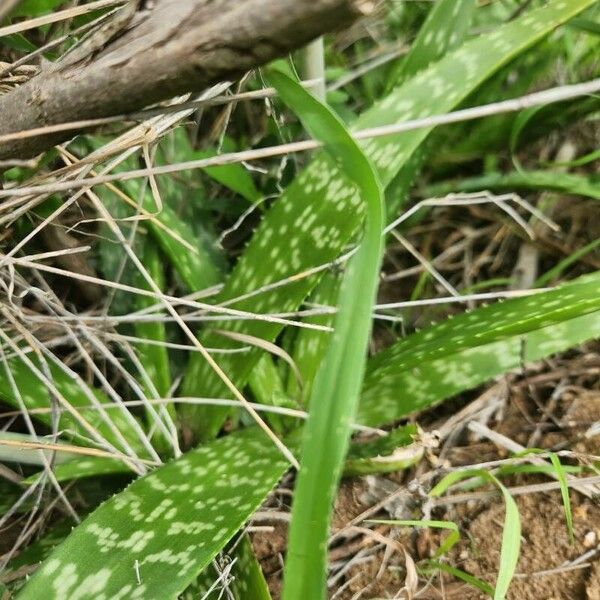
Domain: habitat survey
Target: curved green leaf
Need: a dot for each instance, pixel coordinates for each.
(511, 530)
(450, 541)
(521, 180)
(35, 395)
(444, 29)
(335, 391)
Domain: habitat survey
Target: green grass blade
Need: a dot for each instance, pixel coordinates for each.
(511, 544)
(566, 183)
(556, 271)
(461, 353)
(165, 527)
(564, 492)
(445, 546)
(304, 228)
(511, 531)
(578, 162)
(335, 392)
(462, 575)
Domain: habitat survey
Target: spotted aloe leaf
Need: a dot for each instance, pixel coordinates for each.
(80, 468)
(444, 29)
(310, 345)
(305, 227)
(267, 387)
(398, 450)
(196, 269)
(152, 539)
(461, 353)
(153, 356)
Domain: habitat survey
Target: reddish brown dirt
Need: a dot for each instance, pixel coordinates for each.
(379, 571)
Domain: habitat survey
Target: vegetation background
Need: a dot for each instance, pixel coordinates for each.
(326, 331)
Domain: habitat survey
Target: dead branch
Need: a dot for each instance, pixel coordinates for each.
(176, 47)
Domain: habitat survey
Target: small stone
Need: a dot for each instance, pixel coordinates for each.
(590, 539)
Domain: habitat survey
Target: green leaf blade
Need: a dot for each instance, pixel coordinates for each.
(335, 392)
(461, 353)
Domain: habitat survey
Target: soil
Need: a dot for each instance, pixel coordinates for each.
(552, 403)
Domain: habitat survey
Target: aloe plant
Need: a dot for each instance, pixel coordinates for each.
(292, 233)
(163, 535)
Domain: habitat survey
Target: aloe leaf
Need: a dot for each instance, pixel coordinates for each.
(304, 228)
(197, 269)
(266, 385)
(152, 539)
(178, 148)
(234, 176)
(337, 384)
(9, 494)
(26, 455)
(521, 180)
(246, 579)
(310, 345)
(465, 351)
(587, 25)
(444, 29)
(79, 468)
(249, 582)
(398, 450)
(34, 395)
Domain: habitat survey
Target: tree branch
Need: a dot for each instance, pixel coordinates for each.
(179, 46)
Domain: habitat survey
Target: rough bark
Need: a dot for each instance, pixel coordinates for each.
(179, 46)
